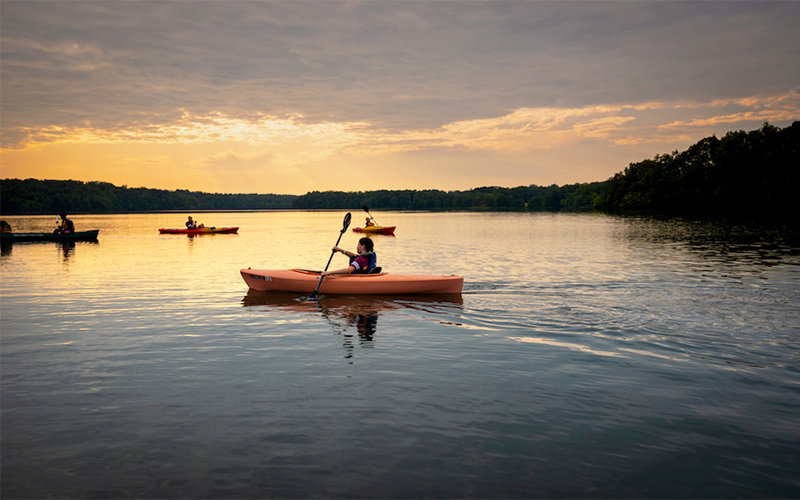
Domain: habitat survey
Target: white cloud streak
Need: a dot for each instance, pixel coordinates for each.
(521, 130)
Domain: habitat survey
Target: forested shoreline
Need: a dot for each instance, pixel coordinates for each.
(551, 198)
(33, 196)
(744, 175)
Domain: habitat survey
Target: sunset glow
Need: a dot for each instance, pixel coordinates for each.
(214, 121)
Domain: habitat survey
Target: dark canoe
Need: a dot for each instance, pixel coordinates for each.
(76, 236)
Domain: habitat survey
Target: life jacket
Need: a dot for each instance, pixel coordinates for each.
(372, 261)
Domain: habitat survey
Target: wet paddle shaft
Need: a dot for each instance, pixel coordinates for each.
(345, 224)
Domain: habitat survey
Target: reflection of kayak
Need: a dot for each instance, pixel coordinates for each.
(297, 302)
(200, 230)
(302, 281)
(76, 236)
(359, 312)
(375, 229)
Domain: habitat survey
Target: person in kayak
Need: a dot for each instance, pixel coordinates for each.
(361, 262)
(66, 225)
(369, 223)
(190, 224)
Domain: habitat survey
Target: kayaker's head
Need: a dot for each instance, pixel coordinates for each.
(365, 245)
(190, 218)
(63, 215)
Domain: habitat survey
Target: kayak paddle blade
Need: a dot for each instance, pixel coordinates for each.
(346, 223)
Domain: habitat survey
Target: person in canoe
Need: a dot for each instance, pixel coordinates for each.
(369, 223)
(362, 261)
(66, 225)
(190, 224)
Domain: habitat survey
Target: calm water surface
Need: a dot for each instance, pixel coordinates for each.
(589, 356)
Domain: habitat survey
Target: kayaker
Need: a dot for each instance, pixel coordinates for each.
(359, 261)
(66, 225)
(369, 223)
(190, 224)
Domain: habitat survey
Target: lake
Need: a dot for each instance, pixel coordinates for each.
(589, 356)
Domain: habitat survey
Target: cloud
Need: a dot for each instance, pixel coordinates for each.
(527, 91)
(400, 64)
(521, 141)
(294, 140)
(225, 160)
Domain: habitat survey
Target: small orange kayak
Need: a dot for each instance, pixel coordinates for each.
(303, 281)
(375, 229)
(200, 230)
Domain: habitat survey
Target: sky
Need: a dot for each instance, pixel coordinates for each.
(288, 97)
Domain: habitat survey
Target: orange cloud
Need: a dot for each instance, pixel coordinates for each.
(292, 140)
(240, 152)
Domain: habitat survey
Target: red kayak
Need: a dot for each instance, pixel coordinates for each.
(200, 230)
(375, 229)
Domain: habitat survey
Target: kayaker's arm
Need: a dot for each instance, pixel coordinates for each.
(343, 251)
(344, 270)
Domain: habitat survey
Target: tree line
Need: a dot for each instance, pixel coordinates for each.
(551, 198)
(743, 175)
(33, 196)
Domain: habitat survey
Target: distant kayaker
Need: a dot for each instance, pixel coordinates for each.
(66, 225)
(362, 261)
(369, 223)
(190, 224)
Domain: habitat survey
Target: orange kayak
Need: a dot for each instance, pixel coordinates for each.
(303, 281)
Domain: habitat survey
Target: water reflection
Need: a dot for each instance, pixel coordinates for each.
(300, 303)
(761, 244)
(590, 354)
(66, 248)
(355, 318)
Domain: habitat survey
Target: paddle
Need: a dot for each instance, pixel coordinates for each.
(370, 215)
(345, 224)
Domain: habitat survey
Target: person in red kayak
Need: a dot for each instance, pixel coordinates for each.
(190, 224)
(361, 262)
(369, 223)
